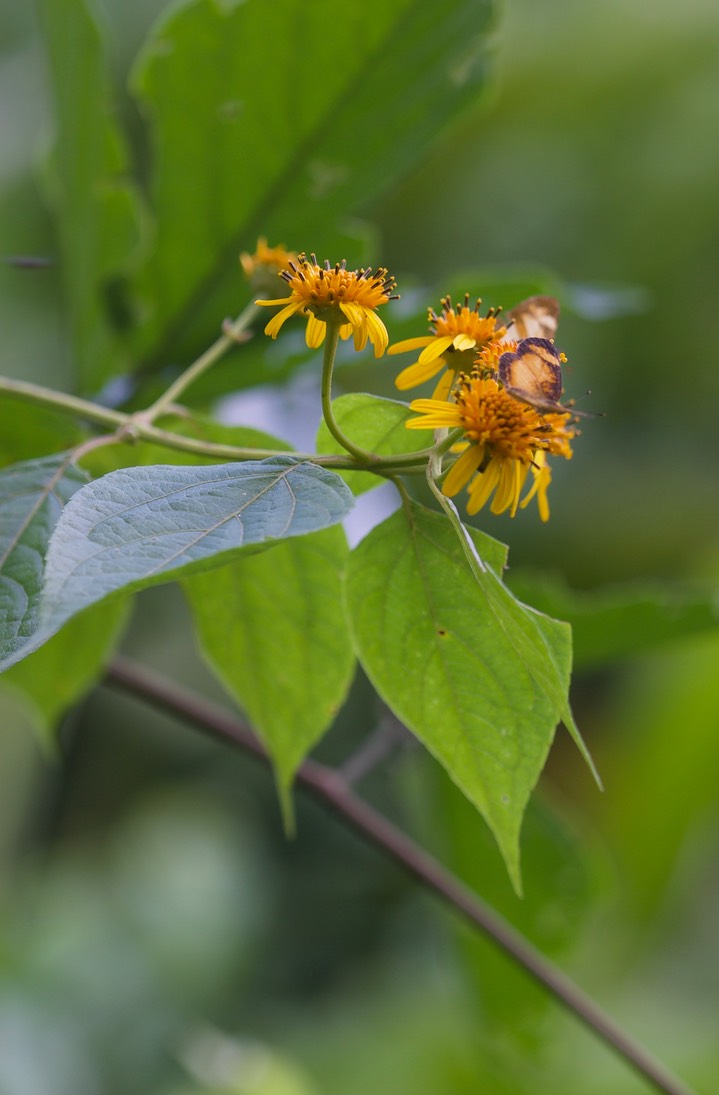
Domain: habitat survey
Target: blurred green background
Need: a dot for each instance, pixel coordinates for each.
(159, 934)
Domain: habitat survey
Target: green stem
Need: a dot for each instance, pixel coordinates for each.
(405, 461)
(232, 333)
(59, 401)
(477, 566)
(331, 340)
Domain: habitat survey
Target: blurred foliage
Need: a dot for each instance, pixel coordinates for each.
(158, 933)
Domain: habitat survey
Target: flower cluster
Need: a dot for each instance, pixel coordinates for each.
(505, 403)
(500, 382)
(504, 440)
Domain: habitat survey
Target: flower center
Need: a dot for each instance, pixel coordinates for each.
(322, 287)
(460, 319)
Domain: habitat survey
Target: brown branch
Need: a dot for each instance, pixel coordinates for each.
(332, 789)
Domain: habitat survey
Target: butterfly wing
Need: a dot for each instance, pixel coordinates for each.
(535, 317)
(533, 374)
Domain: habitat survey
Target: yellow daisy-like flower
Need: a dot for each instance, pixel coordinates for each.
(333, 293)
(457, 335)
(504, 441)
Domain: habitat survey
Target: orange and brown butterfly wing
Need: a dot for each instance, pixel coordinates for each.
(534, 375)
(535, 317)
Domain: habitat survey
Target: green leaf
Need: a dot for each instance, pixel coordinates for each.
(98, 211)
(618, 621)
(481, 680)
(377, 425)
(32, 497)
(272, 629)
(55, 677)
(138, 526)
(254, 132)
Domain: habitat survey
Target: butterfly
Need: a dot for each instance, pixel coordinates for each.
(535, 317)
(533, 374)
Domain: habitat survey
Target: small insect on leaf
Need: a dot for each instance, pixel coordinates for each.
(535, 317)
(534, 375)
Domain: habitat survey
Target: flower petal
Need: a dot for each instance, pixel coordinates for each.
(410, 344)
(444, 384)
(377, 333)
(273, 327)
(482, 486)
(462, 470)
(435, 349)
(355, 313)
(316, 330)
(416, 374)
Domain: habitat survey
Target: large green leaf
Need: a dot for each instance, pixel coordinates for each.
(32, 497)
(98, 212)
(479, 678)
(272, 628)
(272, 120)
(377, 425)
(138, 526)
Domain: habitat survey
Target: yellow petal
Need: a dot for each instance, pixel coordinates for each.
(462, 470)
(273, 327)
(316, 330)
(416, 374)
(482, 486)
(435, 349)
(355, 313)
(282, 300)
(444, 384)
(410, 344)
(377, 334)
(464, 342)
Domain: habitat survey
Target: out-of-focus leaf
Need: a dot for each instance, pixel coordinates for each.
(138, 526)
(481, 680)
(32, 497)
(374, 424)
(271, 627)
(28, 429)
(272, 121)
(618, 621)
(562, 874)
(664, 760)
(99, 218)
(55, 677)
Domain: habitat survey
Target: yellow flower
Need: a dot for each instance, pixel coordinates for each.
(458, 334)
(504, 440)
(265, 263)
(327, 294)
